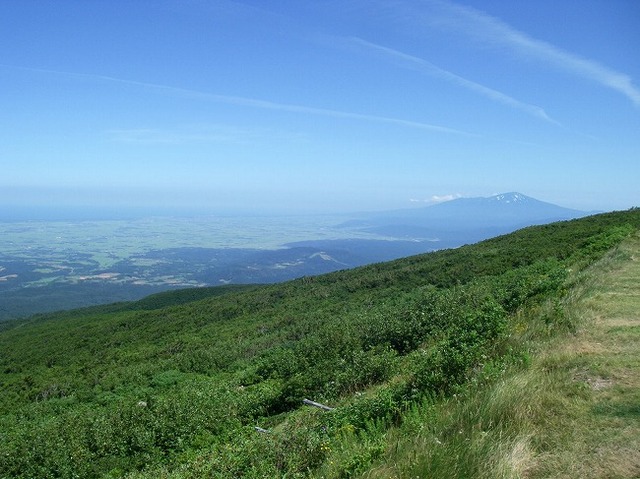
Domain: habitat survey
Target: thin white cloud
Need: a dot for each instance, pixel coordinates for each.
(491, 30)
(429, 68)
(254, 103)
(437, 198)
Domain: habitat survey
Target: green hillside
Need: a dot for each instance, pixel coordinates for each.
(175, 385)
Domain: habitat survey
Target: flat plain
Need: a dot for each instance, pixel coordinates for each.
(50, 265)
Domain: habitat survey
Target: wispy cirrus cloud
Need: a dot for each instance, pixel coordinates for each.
(189, 134)
(254, 103)
(491, 30)
(175, 137)
(424, 66)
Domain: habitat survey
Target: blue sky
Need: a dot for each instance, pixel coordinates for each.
(317, 106)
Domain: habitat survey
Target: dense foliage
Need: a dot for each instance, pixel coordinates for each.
(174, 385)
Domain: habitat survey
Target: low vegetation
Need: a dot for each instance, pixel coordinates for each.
(421, 360)
(572, 411)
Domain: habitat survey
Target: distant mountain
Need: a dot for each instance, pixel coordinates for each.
(465, 220)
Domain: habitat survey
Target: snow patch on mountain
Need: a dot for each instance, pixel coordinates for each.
(510, 198)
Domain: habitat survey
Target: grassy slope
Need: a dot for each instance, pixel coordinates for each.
(573, 412)
(380, 342)
(595, 431)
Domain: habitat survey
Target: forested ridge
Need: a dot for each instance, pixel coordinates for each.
(211, 382)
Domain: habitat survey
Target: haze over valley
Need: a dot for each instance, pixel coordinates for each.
(53, 265)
